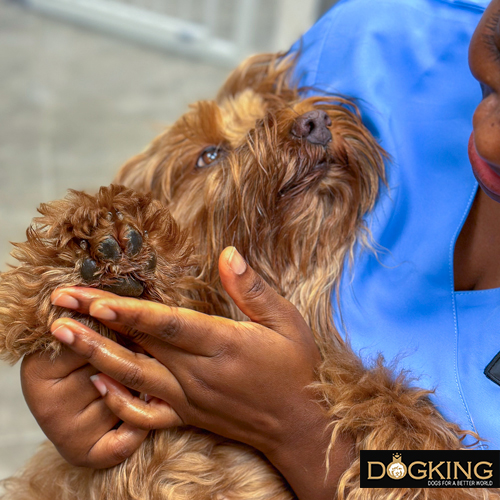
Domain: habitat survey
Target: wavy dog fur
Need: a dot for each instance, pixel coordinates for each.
(232, 172)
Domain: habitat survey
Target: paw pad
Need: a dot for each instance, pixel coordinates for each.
(89, 270)
(134, 242)
(109, 249)
(115, 255)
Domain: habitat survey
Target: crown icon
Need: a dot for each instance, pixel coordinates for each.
(396, 457)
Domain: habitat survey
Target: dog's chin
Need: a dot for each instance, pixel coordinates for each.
(309, 180)
(322, 167)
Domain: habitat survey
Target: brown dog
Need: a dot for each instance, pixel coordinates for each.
(287, 181)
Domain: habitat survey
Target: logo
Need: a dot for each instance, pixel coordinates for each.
(430, 469)
(396, 469)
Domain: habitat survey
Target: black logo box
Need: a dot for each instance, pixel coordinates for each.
(430, 469)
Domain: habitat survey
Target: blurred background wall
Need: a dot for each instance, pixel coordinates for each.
(84, 85)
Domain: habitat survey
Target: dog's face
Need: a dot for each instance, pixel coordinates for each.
(262, 169)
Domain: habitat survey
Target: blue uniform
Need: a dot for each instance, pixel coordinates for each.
(405, 61)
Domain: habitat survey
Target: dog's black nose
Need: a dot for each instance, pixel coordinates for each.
(313, 126)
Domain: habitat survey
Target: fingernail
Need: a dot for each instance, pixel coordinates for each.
(102, 312)
(99, 385)
(65, 300)
(236, 262)
(64, 335)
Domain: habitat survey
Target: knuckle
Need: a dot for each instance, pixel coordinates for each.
(126, 410)
(257, 288)
(28, 367)
(137, 337)
(199, 384)
(133, 375)
(172, 327)
(121, 449)
(92, 350)
(148, 423)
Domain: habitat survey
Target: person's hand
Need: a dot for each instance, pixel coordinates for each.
(238, 379)
(248, 381)
(71, 412)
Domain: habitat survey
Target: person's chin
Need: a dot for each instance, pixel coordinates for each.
(488, 179)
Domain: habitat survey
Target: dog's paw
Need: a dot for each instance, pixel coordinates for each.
(118, 240)
(117, 256)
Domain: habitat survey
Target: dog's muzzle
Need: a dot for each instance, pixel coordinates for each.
(313, 126)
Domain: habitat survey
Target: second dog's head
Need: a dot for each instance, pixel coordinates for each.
(285, 179)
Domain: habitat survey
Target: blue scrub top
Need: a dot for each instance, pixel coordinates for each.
(405, 62)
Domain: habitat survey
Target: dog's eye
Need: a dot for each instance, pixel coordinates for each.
(209, 156)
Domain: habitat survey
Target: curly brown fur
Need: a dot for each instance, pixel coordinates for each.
(69, 234)
(180, 464)
(232, 173)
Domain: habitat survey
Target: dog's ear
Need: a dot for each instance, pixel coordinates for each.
(265, 74)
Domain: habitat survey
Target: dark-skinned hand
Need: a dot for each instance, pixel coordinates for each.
(248, 381)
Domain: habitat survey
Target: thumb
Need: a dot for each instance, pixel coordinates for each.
(254, 297)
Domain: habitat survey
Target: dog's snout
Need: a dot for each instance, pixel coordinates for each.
(313, 126)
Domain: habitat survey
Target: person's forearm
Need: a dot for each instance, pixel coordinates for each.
(302, 461)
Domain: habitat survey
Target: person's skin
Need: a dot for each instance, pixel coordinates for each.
(83, 427)
(477, 266)
(298, 451)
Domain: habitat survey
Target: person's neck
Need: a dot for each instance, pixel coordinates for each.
(477, 250)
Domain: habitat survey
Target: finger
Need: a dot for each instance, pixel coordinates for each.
(134, 370)
(72, 433)
(59, 380)
(255, 298)
(115, 446)
(77, 418)
(78, 298)
(192, 331)
(189, 330)
(42, 366)
(151, 414)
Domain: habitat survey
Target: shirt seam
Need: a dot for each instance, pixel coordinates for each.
(454, 308)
